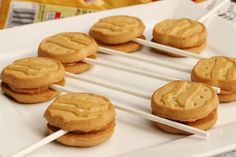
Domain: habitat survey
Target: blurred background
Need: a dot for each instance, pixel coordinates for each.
(20, 12)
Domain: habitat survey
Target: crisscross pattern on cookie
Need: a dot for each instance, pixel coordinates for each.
(32, 67)
(117, 25)
(80, 106)
(183, 94)
(179, 28)
(65, 43)
(217, 68)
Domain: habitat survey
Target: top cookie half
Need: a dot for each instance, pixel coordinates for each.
(68, 47)
(33, 73)
(184, 101)
(117, 29)
(217, 71)
(83, 112)
(180, 33)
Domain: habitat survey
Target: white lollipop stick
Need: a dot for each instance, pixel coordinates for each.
(137, 71)
(129, 69)
(166, 48)
(150, 60)
(105, 84)
(40, 143)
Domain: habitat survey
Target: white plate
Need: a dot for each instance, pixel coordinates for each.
(22, 125)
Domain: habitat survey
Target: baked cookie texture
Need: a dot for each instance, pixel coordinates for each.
(117, 29)
(70, 49)
(217, 71)
(90, 118)
(187, 102)
(182, 33)
(28, 80)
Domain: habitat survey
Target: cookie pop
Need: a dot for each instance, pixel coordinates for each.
(28, 80)
(116, 32)
(217, 71)
(190, 103)
(70, 49)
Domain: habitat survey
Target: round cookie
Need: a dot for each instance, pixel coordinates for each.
(128, 47)
(184, 101)
(117, 29)
(90, 119)
(83, 112)
(77, 67)
(203, 124)
(85, 140)
(216, 71)
(180, 33)
(31, 73)
(68, 47)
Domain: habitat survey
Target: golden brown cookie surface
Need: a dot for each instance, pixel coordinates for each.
(68, 47)
(217, 71)
(180, 33)
(80, 111)
(184, 101)
(33, 73)
(117, 29)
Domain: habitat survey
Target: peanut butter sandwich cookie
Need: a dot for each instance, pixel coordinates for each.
(217, 71)
(90, 119)
(28, 80)
(69, 48)
(190, 103)
(185, 34)
(116, 32)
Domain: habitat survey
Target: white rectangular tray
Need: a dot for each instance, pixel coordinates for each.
(22, 125)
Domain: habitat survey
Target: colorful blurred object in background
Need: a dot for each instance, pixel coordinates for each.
(20, 12)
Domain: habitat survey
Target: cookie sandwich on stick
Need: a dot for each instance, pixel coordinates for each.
(181, 37)
(89, 119)
(190, 103)
(218, 71)
(28, 80)
(70, 49)
(81, 129)
(184, 34)
(116, 32)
